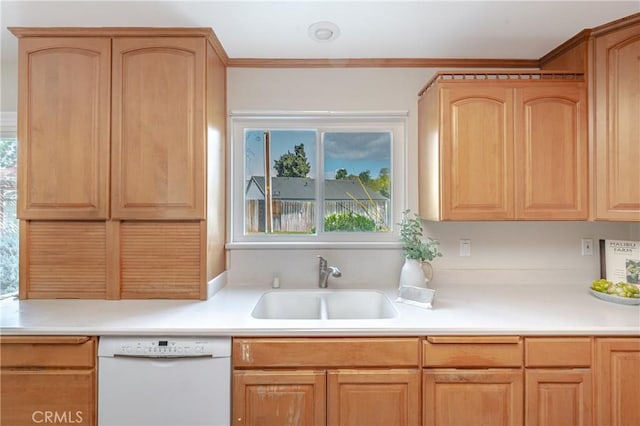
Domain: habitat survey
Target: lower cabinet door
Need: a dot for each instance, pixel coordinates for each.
(558, 397)
(617, 381)
(457, 397)
(279, 398)
(373, 397)
(48, 396)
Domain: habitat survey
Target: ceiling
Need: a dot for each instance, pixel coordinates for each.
(515, 29)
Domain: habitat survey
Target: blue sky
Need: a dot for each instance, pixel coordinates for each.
(354, 151)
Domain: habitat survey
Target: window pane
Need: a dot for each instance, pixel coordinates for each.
(8, 220)
(286, 159)
(357, 168)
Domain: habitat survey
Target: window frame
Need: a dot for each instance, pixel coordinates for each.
(395, 122)
(9, 130)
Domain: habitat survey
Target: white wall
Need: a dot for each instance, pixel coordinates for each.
(9, 87)
(506, 252)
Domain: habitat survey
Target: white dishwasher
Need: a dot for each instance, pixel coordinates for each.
(164, 381)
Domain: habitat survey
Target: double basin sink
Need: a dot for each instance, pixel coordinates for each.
(324, 305)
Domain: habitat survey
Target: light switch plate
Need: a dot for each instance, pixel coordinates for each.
(587, 246)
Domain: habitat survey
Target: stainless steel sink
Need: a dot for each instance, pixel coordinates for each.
(324, 305)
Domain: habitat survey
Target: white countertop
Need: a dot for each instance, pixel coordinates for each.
(457, 310)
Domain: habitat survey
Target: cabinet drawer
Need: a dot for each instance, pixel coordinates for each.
(48, 351)
(557, 352)
(491, 351)
(325, 352)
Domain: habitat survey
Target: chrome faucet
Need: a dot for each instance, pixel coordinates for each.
(325, 272)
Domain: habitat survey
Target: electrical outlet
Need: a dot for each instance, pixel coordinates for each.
(465, 247)
(587, 246)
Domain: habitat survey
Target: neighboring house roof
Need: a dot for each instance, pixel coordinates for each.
(296, 188)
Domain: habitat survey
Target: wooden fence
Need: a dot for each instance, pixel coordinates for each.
(300, 216)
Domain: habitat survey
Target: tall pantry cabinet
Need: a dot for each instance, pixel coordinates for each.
(121, 162)
(608, 55)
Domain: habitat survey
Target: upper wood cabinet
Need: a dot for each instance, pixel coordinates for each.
(100, 111)
(63, 130)
(121, 137)
(158, 128)
(608, 55)
(503, 149)
(616, 84)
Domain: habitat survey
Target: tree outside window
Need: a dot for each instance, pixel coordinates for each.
(8, 221)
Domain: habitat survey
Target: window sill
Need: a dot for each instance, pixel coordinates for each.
(313, 245)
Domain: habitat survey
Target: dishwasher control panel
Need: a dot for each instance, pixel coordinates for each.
(164, 347)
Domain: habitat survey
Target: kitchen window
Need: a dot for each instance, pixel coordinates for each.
(317, 177)
(9, 236)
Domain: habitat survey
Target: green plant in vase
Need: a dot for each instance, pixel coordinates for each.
(417, 251)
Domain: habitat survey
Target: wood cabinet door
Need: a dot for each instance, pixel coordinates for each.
(279, 398)
(373, 397)
(477, 152)
(617, 127)
(63, 131)
(617, 381)
(48, 396)
(158, 128)
(558, 397)
(454, 397)
(551, 148)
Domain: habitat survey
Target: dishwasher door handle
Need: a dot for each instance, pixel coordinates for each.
(171, 357)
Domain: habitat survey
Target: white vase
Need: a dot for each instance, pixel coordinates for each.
(413, 273)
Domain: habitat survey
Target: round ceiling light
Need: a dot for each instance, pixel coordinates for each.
(323, 31)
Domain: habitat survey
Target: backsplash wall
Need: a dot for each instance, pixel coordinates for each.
(505, 252)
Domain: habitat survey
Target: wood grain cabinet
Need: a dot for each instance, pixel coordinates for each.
(48, 380)
(326, 381)
(617, 381)
(608, 55)
(493, 147)
(121, 135)
(472, 381)
(558, 383)
(616, 83)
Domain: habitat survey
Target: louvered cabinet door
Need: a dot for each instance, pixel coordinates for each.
(63, 259)
(158, 128)
(161, 259)
(63, 131)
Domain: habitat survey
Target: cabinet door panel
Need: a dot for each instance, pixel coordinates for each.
(617, 373)
(282, 398)
(558, 397)
(617, 89)
(63, 157)
(477, 153)
(48, 396)
(551, 152)
(370, 397)
(158, 128)
(472, 397)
